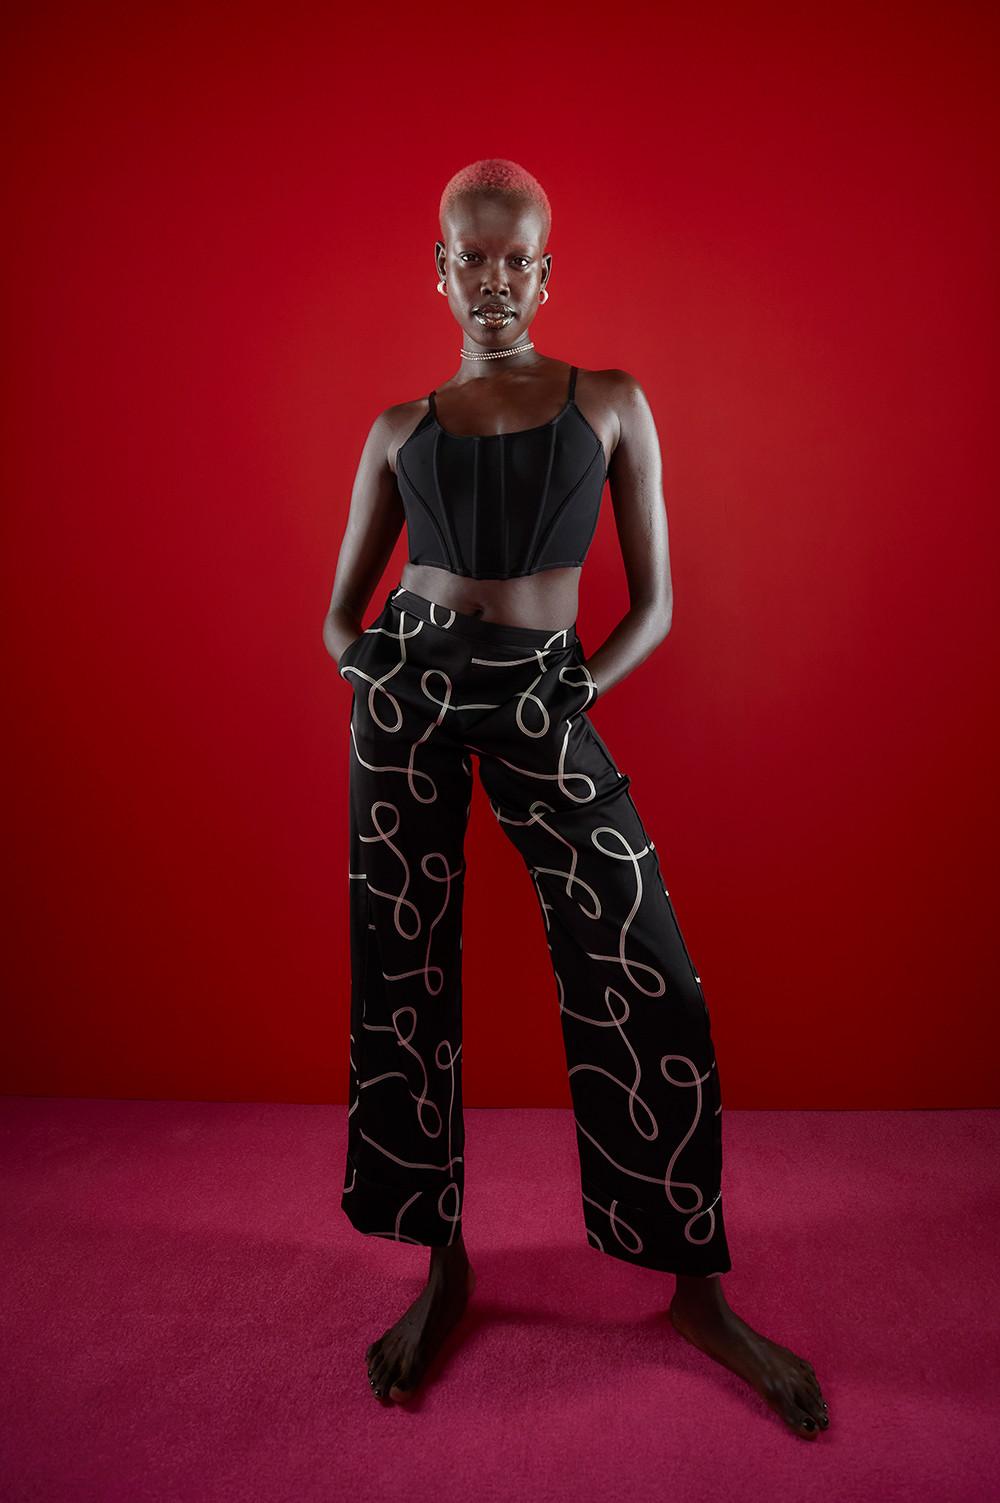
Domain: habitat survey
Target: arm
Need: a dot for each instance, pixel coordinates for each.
(635, 477)
(374, 522)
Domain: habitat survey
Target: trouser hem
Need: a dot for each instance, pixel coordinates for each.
(670, 1263)
(638, 1235)
(401, 1213)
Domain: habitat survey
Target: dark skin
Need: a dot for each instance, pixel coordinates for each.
(494, 250)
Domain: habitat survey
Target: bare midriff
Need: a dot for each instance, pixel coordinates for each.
(548, 600)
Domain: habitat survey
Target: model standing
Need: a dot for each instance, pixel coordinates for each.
(498, 476)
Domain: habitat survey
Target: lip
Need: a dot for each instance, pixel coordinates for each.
(494, 310)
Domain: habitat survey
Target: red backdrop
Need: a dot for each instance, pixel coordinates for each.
(779, 224)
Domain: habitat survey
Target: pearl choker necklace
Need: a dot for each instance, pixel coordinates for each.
(496, 354)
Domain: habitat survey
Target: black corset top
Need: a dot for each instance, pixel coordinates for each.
(502, 505)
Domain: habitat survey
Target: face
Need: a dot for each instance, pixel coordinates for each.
(494, 267)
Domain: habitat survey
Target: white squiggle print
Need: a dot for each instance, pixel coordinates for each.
(559, 776)
(408, 1163)
(423, 1100)
(670, 1184)
(557, 642)
(588, 684)
(536, 816)
(664, 1182)
(526, 697)
(448, 1063)
(630, 966)
(445, 878)
(454, 1216)
(410, 772)
(616, 1222)
(633, 1089)
(398, 899)
(428, 970)
(396, 1235)
(377, 684)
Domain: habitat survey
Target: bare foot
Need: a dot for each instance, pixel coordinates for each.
(399, 1358)
(788, 1383)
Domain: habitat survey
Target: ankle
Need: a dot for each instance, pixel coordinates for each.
(701, 1292)
(446, 1262)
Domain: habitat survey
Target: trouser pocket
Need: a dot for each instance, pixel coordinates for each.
(577, 690)
(348, 658)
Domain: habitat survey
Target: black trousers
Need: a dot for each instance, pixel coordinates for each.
(432, 688)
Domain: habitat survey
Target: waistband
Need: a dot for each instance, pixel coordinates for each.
(474, 627)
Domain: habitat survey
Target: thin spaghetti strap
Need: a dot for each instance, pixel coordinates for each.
(433, 409)
(572, 382)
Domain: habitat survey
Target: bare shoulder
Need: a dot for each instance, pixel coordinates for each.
(614, 402)
(393, 426)
(620, 389)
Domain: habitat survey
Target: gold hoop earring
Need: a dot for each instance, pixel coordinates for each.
(442, 288)
(543, 296)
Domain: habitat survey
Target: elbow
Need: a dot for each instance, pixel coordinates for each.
(656, 617)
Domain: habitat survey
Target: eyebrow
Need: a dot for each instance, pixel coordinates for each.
(524, 250)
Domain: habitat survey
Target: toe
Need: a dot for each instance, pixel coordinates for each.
(389, 1372)
(406, 1382)
(806, 1376)
(819, 1404)
(377, 1376)
(800, 1421)
(811, 1405)
(784, 1402)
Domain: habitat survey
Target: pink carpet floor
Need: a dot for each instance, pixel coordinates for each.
(186, 1309)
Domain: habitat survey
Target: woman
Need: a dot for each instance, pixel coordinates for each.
(498, 477)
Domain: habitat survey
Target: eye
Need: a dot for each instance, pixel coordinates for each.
(466, 255)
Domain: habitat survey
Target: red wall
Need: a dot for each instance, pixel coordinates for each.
(783, 225)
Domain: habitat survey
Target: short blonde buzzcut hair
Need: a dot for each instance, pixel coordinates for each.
(497, 175)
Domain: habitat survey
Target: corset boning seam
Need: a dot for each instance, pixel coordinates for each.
(453, 549)
(546, 535)
(542, 500)
(430, 517)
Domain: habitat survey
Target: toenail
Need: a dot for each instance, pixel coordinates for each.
(809, 1424)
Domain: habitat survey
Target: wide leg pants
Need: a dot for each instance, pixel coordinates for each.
(432, 689)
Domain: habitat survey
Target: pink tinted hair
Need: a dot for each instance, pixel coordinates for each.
(499, 175)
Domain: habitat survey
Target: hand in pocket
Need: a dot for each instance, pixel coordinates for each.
(347, 656)
(578, 683)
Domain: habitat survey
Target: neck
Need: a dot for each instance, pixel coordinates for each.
(478, 370)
